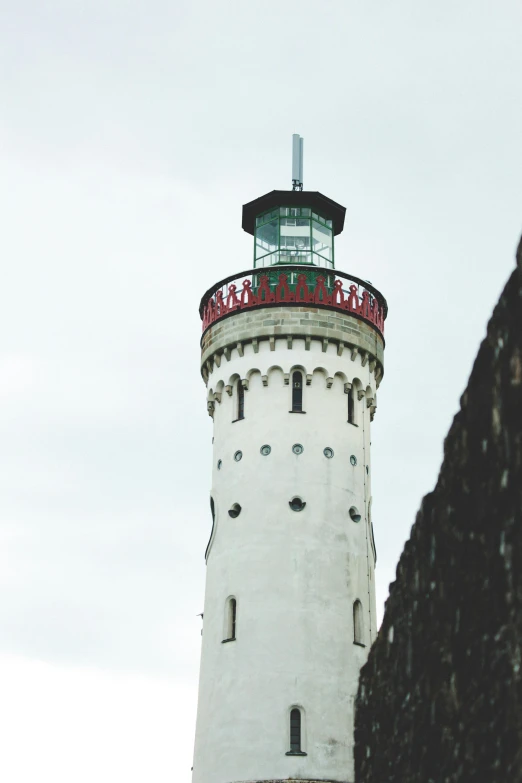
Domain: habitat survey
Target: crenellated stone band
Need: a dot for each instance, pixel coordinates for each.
(289, 323)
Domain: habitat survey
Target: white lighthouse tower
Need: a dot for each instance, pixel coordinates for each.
(292, 355)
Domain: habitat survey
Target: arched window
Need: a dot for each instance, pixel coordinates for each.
(351, 405)
(295, 733)
(240, 401)
(297, 391)
(358, 623)
(295, 729)
(230, 620)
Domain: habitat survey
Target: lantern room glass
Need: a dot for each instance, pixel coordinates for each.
(293, 235)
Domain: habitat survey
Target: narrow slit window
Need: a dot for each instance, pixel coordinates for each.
(295, 730)
(297, 391)
(240, 401)
(213, 512)
(358, 623)
(231, 620)
(351, 406)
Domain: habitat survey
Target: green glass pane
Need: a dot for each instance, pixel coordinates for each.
(264, 218)
(295, 234)
(291, 256)
(322, 242)
(266, 238)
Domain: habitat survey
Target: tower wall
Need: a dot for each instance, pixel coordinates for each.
(295, 575)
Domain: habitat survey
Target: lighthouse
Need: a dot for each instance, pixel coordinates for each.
(292, 357)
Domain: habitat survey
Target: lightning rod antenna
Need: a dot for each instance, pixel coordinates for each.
(297, 162)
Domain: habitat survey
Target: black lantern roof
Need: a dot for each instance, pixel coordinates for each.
(294, 198)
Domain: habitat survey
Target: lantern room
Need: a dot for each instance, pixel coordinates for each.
(293, 227)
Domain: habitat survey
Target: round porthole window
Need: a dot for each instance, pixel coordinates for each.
(219, 463)
(353, 459)
(235, 511)
(296, 504)
(328, 452)
(297, 448)
(265, 450)
(238, 455)
(354, 514)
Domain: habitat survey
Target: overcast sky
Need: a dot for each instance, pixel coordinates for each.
(131, 135)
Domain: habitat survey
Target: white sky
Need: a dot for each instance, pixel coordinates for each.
(131, 134)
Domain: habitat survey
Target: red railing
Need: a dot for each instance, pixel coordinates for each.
(294, 285)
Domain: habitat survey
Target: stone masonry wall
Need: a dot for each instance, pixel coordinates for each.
(314, 322)
(440, 698)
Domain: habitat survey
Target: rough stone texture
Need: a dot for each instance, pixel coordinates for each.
(440, 698)
(314, 322)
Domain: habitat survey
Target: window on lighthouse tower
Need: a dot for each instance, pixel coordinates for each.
(295, 733)
(230, 620)
(240, 401)
(297, 391)
(351, 406)
(358, 623)
(295, 729)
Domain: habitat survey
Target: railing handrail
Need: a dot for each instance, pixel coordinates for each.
(293, 268)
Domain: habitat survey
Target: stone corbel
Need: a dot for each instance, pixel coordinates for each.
(271, 340)
(347, 387)
(369, 402)
(217, 396)
(217, 359)
(227, 351)
(360, 394)
(309, 379)
(240, 350)
(228, 390)
(286, 378)
(308, 340)
(244, 383)
(340, 349)
(210, 408)
(329, 383)
(355, 351)
(364, 355)
(372, 364)
(372, 412)
(204, 374)
(289, 342)
(264, 378)
(255, 345)
(325, 344)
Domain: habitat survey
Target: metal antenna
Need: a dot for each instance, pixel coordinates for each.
(297, 162)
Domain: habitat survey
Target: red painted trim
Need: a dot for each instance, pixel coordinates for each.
(225, 299)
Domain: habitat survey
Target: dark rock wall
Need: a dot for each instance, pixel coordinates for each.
(440, 698)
